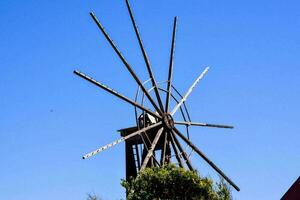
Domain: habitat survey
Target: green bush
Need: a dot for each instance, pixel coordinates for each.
(174, 183)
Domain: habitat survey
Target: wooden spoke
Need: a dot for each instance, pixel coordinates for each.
(170, 76)
(200, 153)
(150, 151)
(182, 152)
(91, 80)
(120, 140)
(164, 148)
(189, 91)
(138, 81)
(177, 153)
(146, 59)
(202, 124)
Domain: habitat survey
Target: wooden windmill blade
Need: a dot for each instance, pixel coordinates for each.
(181, 152)
(121, 140)
(106, 88)
(202, 124)
(139, 82)
(146, 59)
(155, 134)
(165, 148)
(190, 90)
(150, 151)
(176, 150)
(170, 76)
(206, 159)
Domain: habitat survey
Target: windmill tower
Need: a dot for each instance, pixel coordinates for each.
(154, 140)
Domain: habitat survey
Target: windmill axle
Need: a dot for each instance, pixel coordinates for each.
(168, 121)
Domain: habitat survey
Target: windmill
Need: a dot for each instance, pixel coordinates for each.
(154, 140)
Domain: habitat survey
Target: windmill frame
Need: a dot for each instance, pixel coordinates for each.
(160, 127)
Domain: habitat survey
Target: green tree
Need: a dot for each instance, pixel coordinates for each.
(174, 183)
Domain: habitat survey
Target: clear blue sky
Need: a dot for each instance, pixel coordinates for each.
(49, 118)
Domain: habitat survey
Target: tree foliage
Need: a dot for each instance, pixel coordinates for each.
(171, 182)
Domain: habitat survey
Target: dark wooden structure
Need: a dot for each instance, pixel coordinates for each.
(155, 140)
(294, 192)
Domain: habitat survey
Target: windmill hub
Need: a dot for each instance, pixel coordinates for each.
(168, 121)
